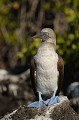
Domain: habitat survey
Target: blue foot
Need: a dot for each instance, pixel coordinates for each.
(36, 104)
(54, 100)
(51, 101)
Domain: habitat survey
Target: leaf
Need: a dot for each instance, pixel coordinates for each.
(46, 6)
(70, 14)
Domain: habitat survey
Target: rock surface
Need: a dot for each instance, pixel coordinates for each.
(15, 90)
(59, 111)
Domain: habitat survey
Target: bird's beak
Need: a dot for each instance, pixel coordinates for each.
(37, 36)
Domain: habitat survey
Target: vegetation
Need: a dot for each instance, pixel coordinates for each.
(19, 20)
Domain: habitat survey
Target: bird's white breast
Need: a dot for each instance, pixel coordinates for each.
(46, 71)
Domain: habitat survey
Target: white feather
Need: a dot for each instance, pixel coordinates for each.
(46, 71)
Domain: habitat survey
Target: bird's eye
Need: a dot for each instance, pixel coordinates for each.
(48, 34)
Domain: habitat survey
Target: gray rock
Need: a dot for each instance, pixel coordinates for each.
(73, 90)
(59, 111)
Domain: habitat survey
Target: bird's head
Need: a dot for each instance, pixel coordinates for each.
(47, 35)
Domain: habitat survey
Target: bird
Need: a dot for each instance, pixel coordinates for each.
(46, 67)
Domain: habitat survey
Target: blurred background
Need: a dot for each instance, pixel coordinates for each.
(19, 21)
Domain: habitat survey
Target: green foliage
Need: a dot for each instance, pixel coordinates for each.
(8, 18)
(46, 6)
(67, 42)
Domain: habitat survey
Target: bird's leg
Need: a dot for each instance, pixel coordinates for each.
(54, 93)
(40, 98)
(51, 99)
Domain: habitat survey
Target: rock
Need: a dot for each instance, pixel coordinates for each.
(73, 90)
(75, 104)
(3, 74)
(11, 83)
(73, 95)
(59, 111)
(15, 90)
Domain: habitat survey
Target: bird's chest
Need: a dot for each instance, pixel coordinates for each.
(46, 71)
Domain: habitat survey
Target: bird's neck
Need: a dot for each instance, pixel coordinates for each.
(45, 47)
(48, 44)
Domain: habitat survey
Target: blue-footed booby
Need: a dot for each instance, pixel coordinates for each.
(47, 67)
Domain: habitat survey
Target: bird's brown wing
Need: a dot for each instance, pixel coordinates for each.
(33, 76)
(60, 66)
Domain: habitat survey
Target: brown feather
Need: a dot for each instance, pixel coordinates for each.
(60, 66)
(33, 76)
